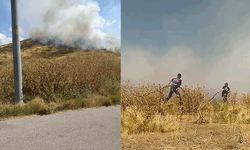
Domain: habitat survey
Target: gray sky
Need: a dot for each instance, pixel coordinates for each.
(205, 40)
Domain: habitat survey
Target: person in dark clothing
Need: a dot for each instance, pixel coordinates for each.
(174, 84)
(225, 91)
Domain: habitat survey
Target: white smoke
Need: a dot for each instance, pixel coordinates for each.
(227, 55)
(139, 65)
(76, 25)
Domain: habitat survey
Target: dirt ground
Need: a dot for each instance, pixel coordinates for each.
(192, 137)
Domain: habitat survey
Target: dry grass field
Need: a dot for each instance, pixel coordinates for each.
(147, 123)
(58, 78)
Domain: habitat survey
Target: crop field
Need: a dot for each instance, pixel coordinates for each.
(199, 123)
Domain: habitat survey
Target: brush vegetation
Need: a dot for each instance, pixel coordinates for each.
(146, 120)
(58, 78)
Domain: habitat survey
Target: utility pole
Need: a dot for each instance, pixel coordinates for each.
(16, 53)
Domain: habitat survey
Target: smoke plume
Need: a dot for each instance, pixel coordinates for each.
(74, 25)
(139, 66)
(213, 53)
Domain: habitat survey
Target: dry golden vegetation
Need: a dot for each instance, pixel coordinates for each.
(59, 78)
(148, 123)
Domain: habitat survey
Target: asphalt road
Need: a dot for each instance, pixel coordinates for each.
(91, 129)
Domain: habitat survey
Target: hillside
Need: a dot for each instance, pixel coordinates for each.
(32, 50)
(60, 76)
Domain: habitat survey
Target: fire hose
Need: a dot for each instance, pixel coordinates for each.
(214, 96)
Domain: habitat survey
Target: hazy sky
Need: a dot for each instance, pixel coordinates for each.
(107, 17)
(208, 41)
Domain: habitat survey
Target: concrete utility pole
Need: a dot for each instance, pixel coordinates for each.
(16, 53)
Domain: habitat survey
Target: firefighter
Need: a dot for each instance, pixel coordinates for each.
(174, 84)
(225, 91)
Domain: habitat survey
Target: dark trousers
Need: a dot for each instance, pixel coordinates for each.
(172, 91)
(224, 93)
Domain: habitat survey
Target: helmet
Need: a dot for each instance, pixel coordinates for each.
(179, 75)
(226, 84)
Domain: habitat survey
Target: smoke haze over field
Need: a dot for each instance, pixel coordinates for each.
(206, 41)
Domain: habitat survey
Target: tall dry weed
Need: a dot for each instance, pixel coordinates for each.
(135, 122)
(57, 79)
(146, 100)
